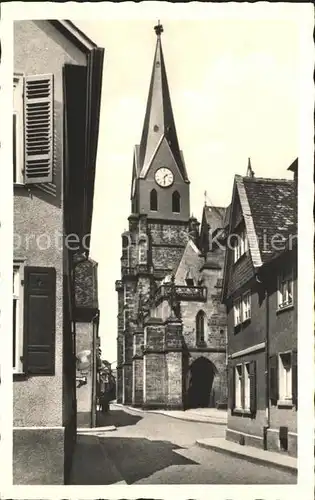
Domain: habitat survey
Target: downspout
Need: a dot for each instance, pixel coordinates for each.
(95, 321)
(259, 280)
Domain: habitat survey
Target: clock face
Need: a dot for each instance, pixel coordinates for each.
(164, 177)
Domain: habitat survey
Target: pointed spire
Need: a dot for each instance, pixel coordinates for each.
(250, 172)
(159, 120)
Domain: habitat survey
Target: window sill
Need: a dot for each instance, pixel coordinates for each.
(285, 308)
(19, 185)
(285, 403)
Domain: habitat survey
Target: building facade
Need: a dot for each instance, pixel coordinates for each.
(56, 83)
(260, 293)
(171, 341)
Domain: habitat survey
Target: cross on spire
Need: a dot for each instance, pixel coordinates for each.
(158, 28)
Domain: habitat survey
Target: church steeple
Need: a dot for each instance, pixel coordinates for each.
(159, 120)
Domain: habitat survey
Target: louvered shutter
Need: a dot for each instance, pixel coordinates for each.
(294, 379)
(39, 320)
(38, 131)
(273, 379)
(231, 373)
(252, 388)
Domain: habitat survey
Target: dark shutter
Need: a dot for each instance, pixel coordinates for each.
(273, 379)
(39, 320)
(252, 387)
(294, 379)
(231, 373)
(38, 137)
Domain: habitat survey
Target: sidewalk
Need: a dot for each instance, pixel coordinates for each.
(202, 415)
(250, 453)
(91, 465)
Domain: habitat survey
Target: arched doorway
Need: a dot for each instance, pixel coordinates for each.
(199, 383)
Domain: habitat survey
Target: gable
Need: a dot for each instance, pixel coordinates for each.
(162, 157)
(189, 265)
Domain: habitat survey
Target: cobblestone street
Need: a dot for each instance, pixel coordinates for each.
(149, 448)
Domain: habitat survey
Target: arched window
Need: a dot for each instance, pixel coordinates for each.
(176, 202)
(153, 200)
(200, 327)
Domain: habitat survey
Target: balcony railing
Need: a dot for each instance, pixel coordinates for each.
(186, 293)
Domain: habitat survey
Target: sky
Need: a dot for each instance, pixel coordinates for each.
(234, 86)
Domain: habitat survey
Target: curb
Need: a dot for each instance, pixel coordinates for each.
(248, 458)
(178, 417)
(91, 430)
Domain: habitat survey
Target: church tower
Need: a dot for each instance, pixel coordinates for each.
(159, 227)
(160, 185)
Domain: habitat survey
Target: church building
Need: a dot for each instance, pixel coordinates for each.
(171, 338)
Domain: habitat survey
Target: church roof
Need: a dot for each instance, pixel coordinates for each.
(159, 120)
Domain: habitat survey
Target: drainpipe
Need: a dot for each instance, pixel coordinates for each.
(260, 280)
(95, 323)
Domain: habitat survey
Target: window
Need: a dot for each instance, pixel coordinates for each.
(200, 327)
(17, 317)
(285, 289)
(240, 245)
(32, 129)
(176, 202)
(153, 200)
(246, 306)
(242, 388)
(285, 377)
(237, 311)
(242, 308)
(238, 386)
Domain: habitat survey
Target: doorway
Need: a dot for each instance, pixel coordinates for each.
(199, 384)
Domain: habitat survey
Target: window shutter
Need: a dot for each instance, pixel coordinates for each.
(273, 379)
(39, 320)
(231, 387)
(38, 138)
(253, 388)
(294, 379)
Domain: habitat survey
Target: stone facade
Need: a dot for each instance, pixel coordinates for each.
(170, 278)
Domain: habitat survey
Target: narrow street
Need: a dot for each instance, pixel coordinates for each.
(149, 448)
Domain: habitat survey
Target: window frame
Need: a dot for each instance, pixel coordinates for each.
(18, 112)
(288, 274)
(242, 246)
(18, 296)
(249, 308)
(200, 316)
(154, 205)
(283, 377)
(238, 301)
(176, 202)
(239, 384)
